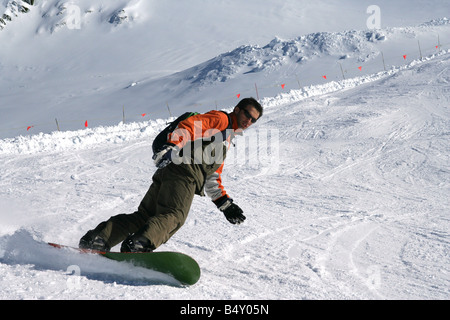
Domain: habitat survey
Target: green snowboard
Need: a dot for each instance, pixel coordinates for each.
(180, 266)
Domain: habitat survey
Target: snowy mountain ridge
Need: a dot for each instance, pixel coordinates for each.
(68, 14)
(252, 59)
(290, 57)
(13, 9)
(90, 137)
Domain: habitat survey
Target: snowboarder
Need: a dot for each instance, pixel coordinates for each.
(185, 167)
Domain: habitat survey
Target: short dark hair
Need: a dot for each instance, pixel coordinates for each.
(253, 102)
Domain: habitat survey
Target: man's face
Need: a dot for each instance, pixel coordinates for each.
(246, 116)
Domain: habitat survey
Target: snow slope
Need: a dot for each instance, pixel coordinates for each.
(352, 203)
(90, 60)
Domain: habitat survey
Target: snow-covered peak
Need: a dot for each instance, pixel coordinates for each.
(277, 53)
(436, 22)
(57, 14)
(12, 9)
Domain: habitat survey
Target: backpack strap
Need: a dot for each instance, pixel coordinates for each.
(227, 132)
(161, 139)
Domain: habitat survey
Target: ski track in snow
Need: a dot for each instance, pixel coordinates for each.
(356, 207)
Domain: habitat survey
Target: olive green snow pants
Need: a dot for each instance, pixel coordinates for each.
(161, 213)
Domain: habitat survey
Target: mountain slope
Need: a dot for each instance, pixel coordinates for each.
(347, 199)
(90, 60)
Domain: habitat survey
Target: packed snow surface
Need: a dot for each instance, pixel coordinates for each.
(344, 182)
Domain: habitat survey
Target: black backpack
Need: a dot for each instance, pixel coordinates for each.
(161, 138)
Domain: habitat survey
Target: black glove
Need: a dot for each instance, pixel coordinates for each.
(231, 211)
(164, 156)
(234, 214)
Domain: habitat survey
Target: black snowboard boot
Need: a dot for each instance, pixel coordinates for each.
(135, 243)
(91, 240)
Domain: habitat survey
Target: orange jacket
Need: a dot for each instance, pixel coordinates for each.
(205, 126)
